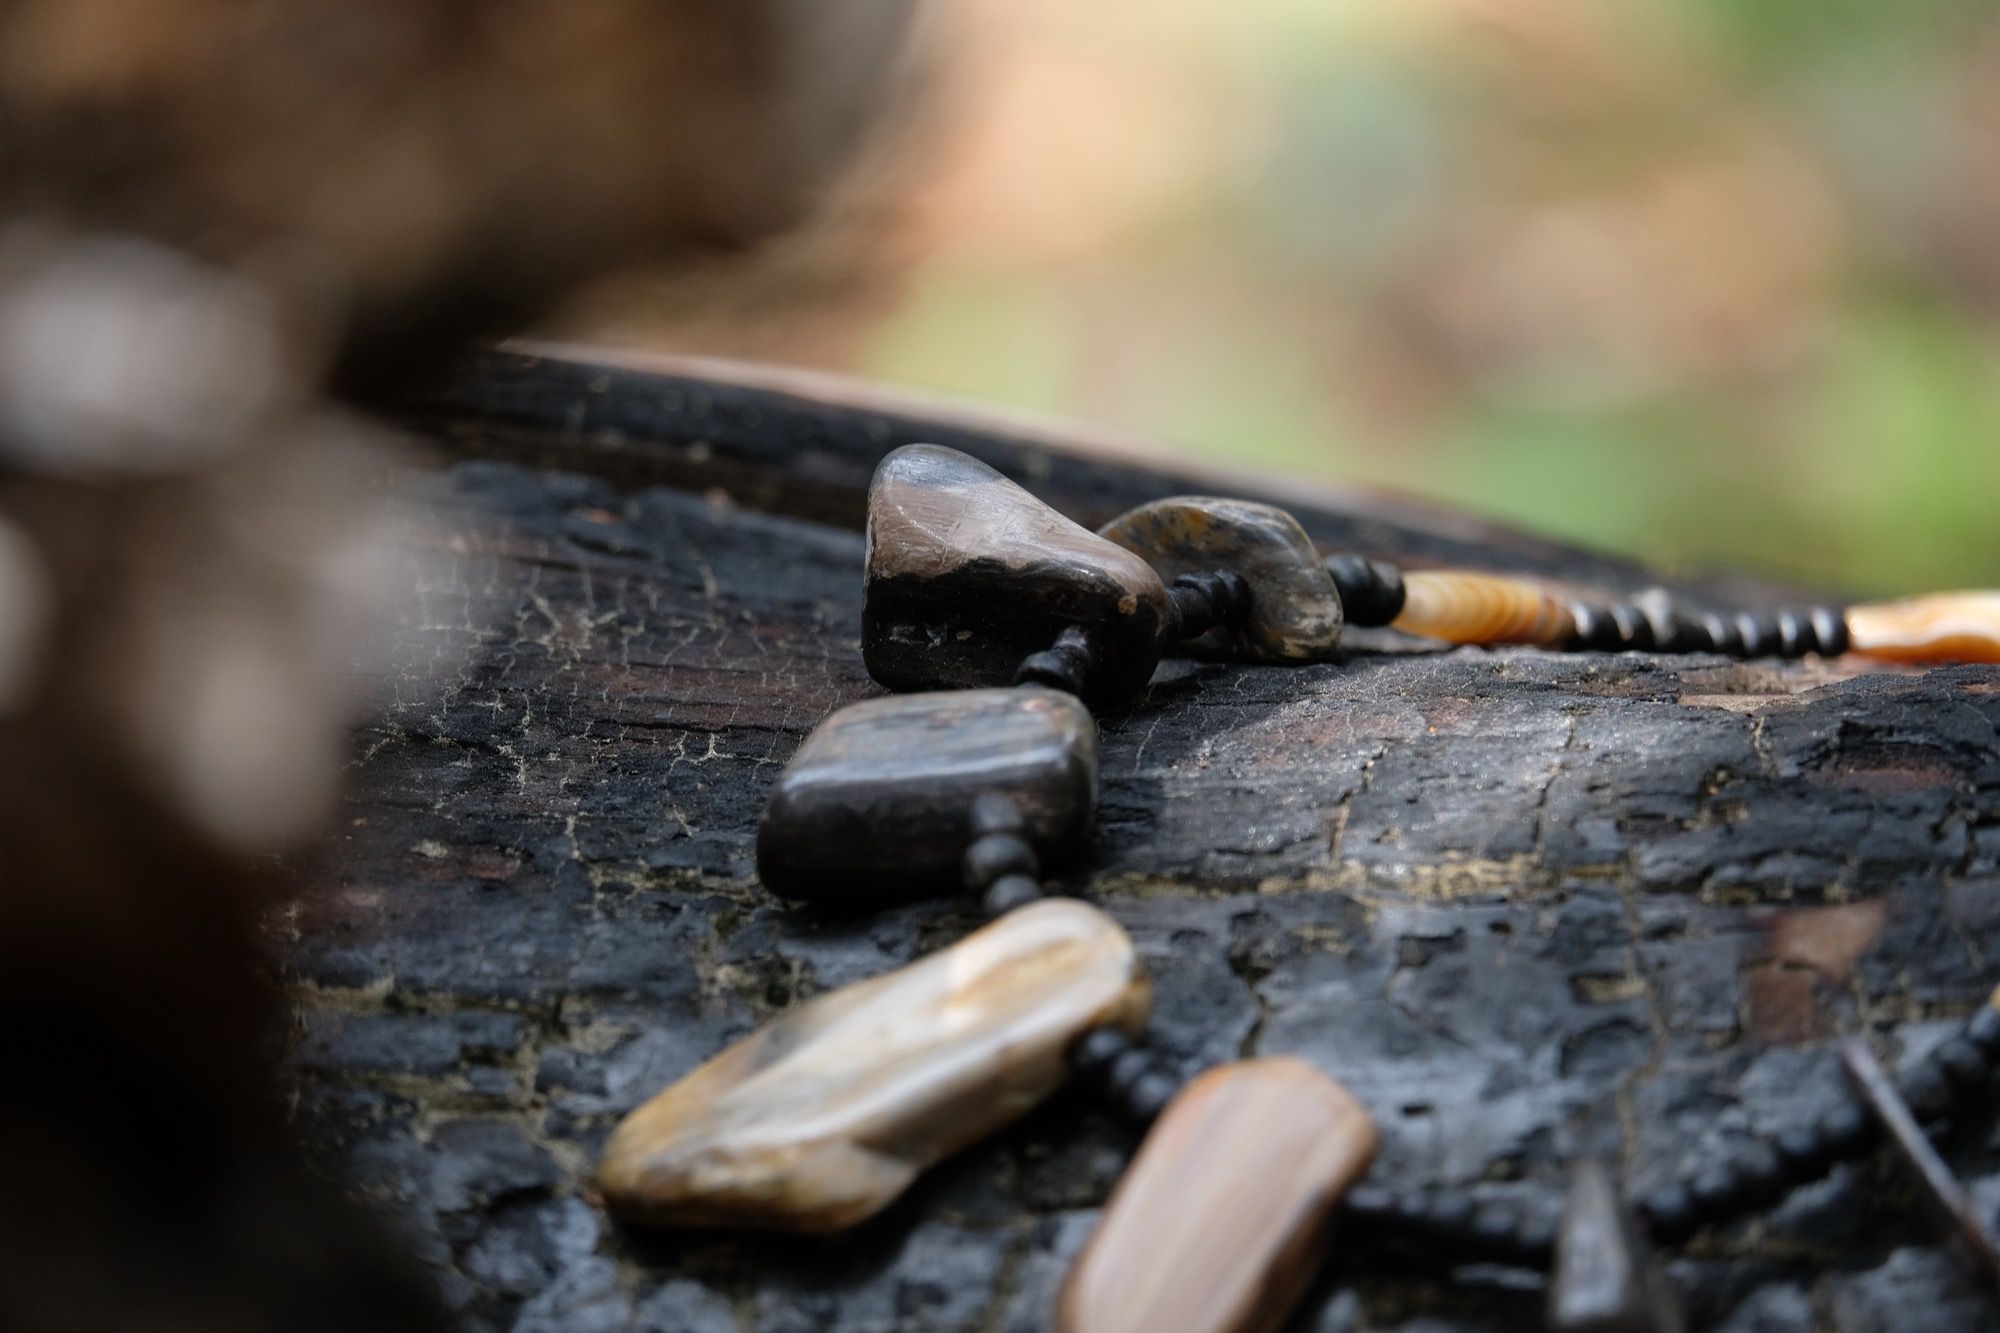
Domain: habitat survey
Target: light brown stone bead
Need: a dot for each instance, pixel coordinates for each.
(1222, 1219)
(1460, 607)
(1943, 627)
(821, 1119)
(1295, 611)
(968, 574)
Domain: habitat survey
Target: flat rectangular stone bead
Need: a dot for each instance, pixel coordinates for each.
(1221, 1221)
(875, 802)
(821, 1119)
(1942, 627)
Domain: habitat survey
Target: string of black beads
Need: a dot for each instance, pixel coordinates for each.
(1124, 1073)
(1759, 1171)
(1371, 591)
(1000, 864)
(1450, 1224)
(1064, 665)
(1203, 600)
(1652, 622)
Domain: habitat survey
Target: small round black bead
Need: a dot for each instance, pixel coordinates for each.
(996, 812)
(1493, 1228)
(1535, 1239)
(1757, 633)
(1053, 670)
(1127, 1070)
(1663, 620)
(1829, 628)
(1983, 1031)
(1148, 1096)
(1802, 1152)
(1963, 1065)
(1670, 1213)
(1595, 631)
(1925, 1090)
(1756, 1165)
(1635, 632)
(1723, 634)
(1694, 635)
(1846, 1130)
(1009, 892)
(1371, 591)
(1370, 1203)
(1718, 1192)
(1098, 1051)
(997, 854)
(1793, 635)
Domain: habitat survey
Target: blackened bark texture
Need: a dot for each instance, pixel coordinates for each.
(1525, 905)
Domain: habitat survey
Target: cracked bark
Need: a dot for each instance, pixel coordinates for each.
(1525, 905)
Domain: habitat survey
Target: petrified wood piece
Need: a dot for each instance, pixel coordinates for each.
(968, 574)
(1295, 613)
(1221, 1220)
(1462, 607)
(1606, 1279)
(1942, 627)
(821, 1119)
(876, 801)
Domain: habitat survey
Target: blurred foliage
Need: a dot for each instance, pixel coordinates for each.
(1712, 282)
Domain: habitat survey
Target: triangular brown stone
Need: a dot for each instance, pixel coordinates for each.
(968, 574)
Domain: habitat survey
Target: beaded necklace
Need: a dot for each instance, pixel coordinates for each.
(1001, 624)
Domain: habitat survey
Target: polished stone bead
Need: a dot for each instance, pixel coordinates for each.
(1943, 627)
(1462, 607)
(821, 1119)
(968, 575)
(1222, 1219)
(879, 800)
(1295, 612)
(1606, 1279)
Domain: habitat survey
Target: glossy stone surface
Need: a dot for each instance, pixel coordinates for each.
(875, 803)
(821, 1119)
(1222, 1218)
(1461, 607)
(1606, 1279)
(968, 574)
(1295, 613)
(1943, 627)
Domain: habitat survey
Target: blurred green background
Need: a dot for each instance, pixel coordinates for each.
(1711, 282)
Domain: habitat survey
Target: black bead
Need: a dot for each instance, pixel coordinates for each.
(1594, 630)
(1663, 620)
(1756, 1165)
(1099, 1049)
(1794, 636)
(1963, 1065)
(1535, 1238)
(1829, 628)
(1802, 1152)
(1205, 599)
(1052, 670)
(1009, 892)
(996, 812)
(1148, 1096)
(1718, 1192)
(1635, 632)
(998, 854)
(1670, 1213)
(1925, 1090)
(1492, 1229)
(1695, 635)
(1370, 1203)
(1846, 1130)
(1371, 591)
(1723, 634)
(1983, 1031)
(1757, 633)
(1127, 1070)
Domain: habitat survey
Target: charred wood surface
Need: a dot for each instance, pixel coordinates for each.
(1525, 905)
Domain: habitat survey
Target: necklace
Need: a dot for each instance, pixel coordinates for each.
(1007, 620)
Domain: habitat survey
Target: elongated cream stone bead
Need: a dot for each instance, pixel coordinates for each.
(1295, 613)
(1222, 1219)
(821, 1119)
(1459, 607)
(1943, 627)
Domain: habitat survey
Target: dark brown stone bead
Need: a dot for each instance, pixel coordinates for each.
(968, 575)
(1606, 1279)
(878, 801)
